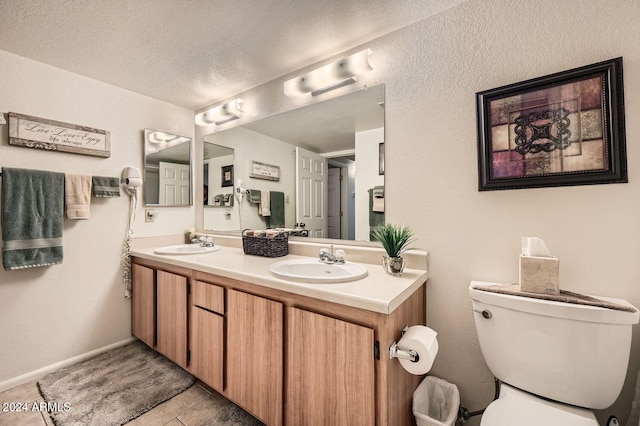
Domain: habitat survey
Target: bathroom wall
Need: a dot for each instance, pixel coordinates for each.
(51, 314)
(253, 146)
(432, 71)
(367, 176)
(219, 214)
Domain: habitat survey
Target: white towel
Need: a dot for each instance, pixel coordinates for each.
(378, 204)
(77, 196)
(265, 203)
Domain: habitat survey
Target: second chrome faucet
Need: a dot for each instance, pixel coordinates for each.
(327, 256)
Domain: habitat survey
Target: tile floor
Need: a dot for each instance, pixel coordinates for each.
(189, 408)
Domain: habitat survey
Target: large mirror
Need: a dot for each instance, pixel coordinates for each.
(167, 169)
(324, 164)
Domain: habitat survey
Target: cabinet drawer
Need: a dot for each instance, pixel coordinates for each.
(208, 296)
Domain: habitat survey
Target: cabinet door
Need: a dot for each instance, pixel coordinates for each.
(255, 355)
(172, 316)
(330, 371)
(143, 302)
(207, 347)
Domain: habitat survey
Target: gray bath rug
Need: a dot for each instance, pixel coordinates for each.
(216, 410)
(113, 387)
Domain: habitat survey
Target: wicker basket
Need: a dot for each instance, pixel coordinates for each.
(266, 246)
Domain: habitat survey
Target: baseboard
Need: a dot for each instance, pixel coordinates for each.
(36, 374)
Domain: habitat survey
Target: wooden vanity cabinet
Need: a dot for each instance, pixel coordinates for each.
(143, 304)
(255, 355)
(334, 367)
(159, 309)
(285, 358)
(207, 334)
(171, 306)
(330, 371)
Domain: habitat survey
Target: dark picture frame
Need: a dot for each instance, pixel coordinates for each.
(227, 176)
(563, 129)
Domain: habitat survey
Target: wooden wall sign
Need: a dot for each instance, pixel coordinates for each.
(265, 171)
(34, 132)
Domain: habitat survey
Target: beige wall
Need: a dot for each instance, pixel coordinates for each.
(51, 314)
(432, 71)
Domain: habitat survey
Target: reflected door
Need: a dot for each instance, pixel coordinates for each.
(311, 192)
(174, 184)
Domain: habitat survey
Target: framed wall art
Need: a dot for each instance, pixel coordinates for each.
(265, 171)
(227, 175)
(563, 129)
(51, 135)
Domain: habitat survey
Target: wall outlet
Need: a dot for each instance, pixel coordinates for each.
(150, 215)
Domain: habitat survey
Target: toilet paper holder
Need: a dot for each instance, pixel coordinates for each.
(396, 351)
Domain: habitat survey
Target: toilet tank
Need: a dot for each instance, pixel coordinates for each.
(576, 354)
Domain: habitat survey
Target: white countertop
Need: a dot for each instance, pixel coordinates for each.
(377, 292)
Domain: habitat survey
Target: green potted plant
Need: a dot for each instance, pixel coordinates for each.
(394, 240)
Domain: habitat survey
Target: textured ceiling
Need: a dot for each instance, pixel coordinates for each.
(195, 53)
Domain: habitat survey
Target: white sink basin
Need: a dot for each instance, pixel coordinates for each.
(315, 272)
(185, 249)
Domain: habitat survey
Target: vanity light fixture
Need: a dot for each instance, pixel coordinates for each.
(221, 114)
(331, 76)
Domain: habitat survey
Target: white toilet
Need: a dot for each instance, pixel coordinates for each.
(556, 360)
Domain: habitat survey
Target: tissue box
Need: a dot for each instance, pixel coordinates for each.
(539, 274)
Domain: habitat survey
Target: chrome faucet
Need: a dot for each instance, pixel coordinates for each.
(328, 257)
(203, 241)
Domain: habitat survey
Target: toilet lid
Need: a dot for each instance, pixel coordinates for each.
(515, 407)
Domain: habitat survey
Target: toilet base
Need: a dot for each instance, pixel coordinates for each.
(515, 407)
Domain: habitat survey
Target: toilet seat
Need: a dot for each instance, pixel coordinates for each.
(515, 407)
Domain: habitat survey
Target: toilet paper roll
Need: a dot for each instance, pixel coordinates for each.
(133, 181)
(422, 340)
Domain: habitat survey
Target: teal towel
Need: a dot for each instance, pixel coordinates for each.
(32, 218)
(376, 219)
(254, 196)
(378, 191)
(276, 220)
(105, 187)
(228, 200)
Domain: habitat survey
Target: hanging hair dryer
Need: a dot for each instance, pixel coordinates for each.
(132, 180)
(240, 190)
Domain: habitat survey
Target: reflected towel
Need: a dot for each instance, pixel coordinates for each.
(265, 203)
(228, 200)
(376, 217)
(253, 196)
(277, 210)
(32, 218)
(77, 196)
(378, 199)
(105, 187)
(378, 191)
